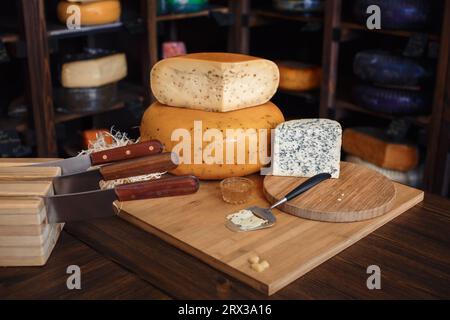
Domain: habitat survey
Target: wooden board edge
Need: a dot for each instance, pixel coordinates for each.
(36, 240)
(211, 261)
(18, 219)
(40, 249)
(280, 284)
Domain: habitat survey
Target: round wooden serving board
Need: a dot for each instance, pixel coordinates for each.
(358, 194)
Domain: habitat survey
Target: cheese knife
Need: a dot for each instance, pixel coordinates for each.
(89, 180)
(83, 162)
(99, 203)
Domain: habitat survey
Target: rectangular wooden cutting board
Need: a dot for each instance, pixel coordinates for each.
(196, 224)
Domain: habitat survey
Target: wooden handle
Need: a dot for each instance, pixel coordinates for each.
(130, 151)
(144, 165)
(165, 187)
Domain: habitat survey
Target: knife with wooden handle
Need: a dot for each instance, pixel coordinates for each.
(89, 180)
(82, 163)
(99, 203)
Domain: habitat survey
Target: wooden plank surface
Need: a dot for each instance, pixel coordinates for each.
(12, 173)
(100, 277)
(358, 194)
(30, 255)
(294, 246)
(25, 188)
(17, 162)
(26, 240)
(413, 252)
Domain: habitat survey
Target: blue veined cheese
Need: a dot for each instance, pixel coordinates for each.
(306, 147)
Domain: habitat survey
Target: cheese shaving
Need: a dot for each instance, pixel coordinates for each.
(246, 220)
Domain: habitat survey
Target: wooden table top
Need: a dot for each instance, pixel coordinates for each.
(120, 261)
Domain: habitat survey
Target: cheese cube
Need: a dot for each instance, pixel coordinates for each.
(214, 81)
(304, 148)
(94, 72)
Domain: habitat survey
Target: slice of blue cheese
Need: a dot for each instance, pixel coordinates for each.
(306, 147)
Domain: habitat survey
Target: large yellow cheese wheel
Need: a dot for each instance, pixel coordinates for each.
(298, 76)
(91, 13)
(178, 129)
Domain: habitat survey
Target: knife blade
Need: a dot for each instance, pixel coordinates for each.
(99, 203)
(89, 180)
(83, 162)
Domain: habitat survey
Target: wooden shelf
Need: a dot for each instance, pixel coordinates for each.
(9, 37)
(61, 31)
(203, 13)
(64, 117)
(19, 125)
(421, 121)
(266, 13)
(127, 92)
(398, 33)
(312, 95)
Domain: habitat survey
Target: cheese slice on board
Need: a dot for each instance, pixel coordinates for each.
(306, 147)
(94, 72)
(372, 145)
(298, 76)
(214, 81)
(91, 12)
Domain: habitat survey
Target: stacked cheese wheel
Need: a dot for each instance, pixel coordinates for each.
(89, 12)
(202, 99)
(89, 82)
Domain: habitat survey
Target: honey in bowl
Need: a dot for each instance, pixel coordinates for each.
(236, 190)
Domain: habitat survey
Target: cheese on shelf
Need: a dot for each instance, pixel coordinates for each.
(411, 178)
(195, 130)
(372, 145)
(95, 72)
(306, 147)
(298, 76)
(214, 81)
(91, 12)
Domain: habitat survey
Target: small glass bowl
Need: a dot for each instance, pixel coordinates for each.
(236, 190)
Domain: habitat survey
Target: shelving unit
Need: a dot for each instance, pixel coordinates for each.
(263, 14)
(36, 35)
(434, 124)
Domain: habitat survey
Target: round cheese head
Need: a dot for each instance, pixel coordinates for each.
(91, 13)
(214, 81)
(213, 145)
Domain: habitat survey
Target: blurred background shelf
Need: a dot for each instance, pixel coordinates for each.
(421, 121)
(202, 13)
(60, 31)
(398, 33)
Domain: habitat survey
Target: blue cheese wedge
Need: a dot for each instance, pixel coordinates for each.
(306, 147)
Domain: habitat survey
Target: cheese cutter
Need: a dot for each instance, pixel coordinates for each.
(266, 213)
(83, 162)
(89, 180)
(100, 203)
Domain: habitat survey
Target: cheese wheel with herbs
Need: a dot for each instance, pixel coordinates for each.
(214, 81)
(94, 72)
(176, 127)
(298, 76)
(91, 12)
